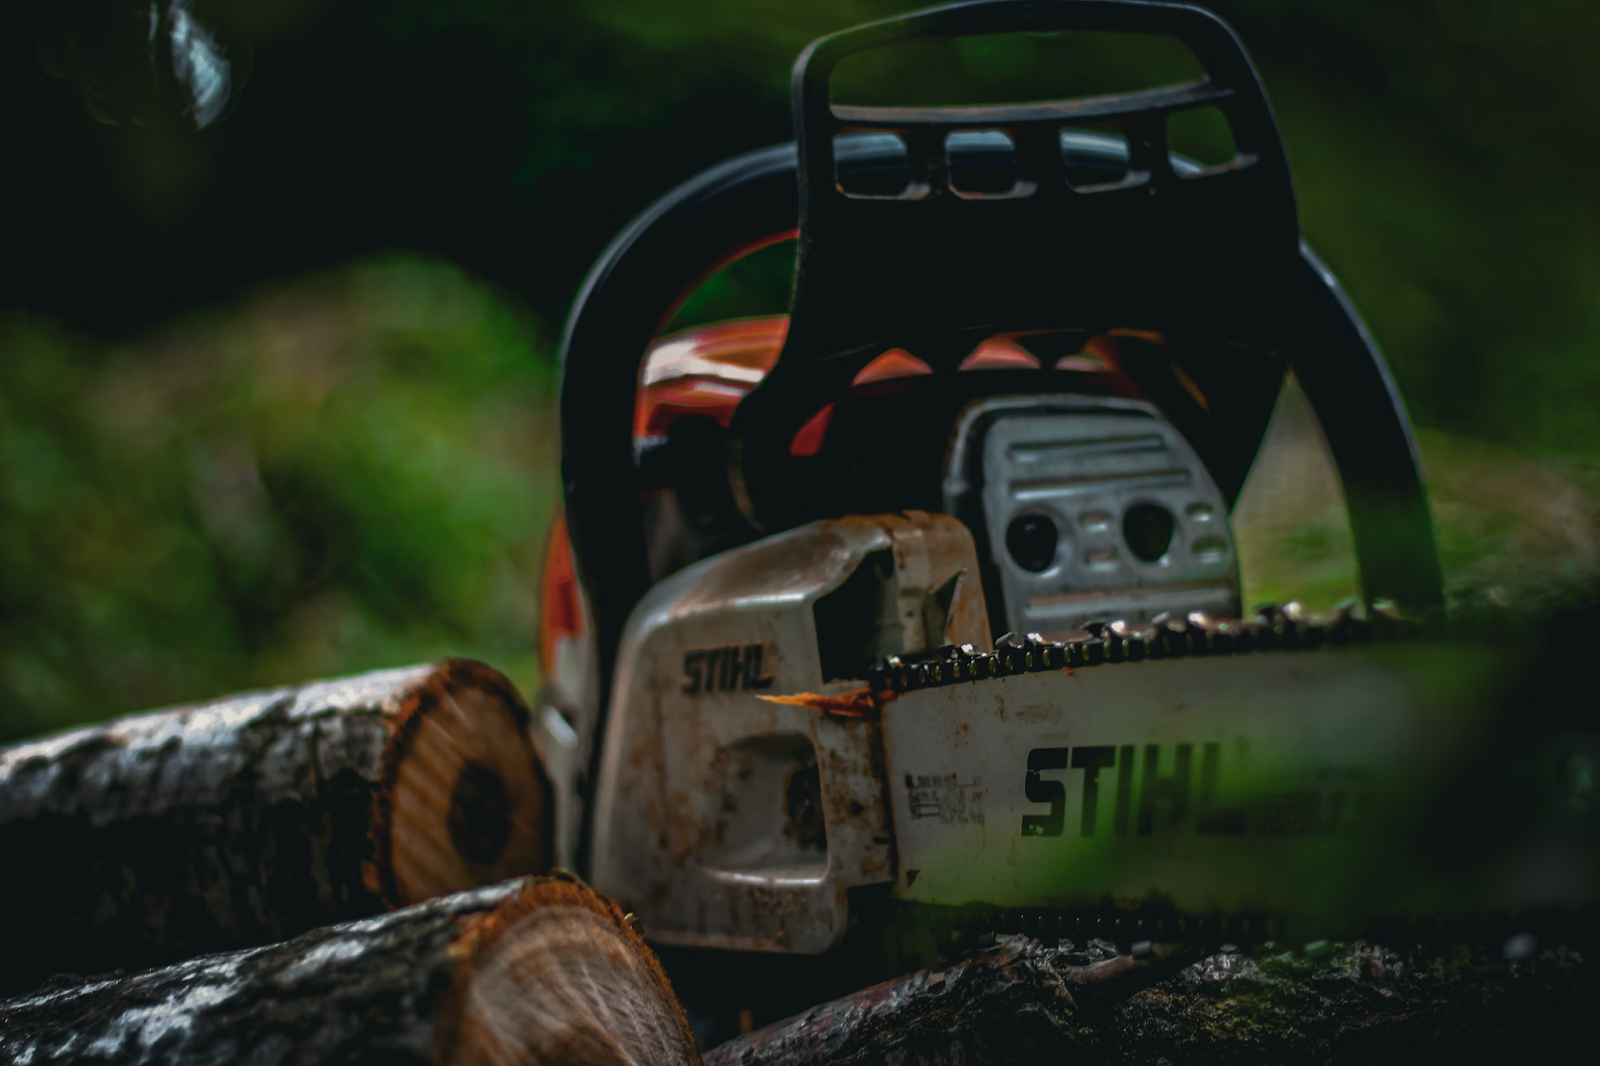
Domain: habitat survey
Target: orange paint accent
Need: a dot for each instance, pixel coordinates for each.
(809, 437)
(560, 613)
(662, 405)
(1083, 364)
(998, 353)
(705, 371)
(894, 363)
(1099, 356)
(857, 703)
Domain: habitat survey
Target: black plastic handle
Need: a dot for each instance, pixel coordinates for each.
(935, 271)
(1228, 70)
(629, 294)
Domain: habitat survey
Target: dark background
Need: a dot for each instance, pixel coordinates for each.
(275, 393)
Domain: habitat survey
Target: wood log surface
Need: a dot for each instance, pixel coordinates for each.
(1023, 1002)
(533, 971)
(160, 836)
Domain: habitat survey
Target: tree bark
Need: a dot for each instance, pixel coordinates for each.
(230, 824)
(1022, 1003)
(533, 971)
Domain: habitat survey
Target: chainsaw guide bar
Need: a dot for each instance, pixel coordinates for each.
(1384, 786)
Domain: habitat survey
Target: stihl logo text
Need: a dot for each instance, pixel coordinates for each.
(737, 666)
(1156, 788)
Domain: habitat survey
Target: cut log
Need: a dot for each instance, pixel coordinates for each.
(1023, 1002)
(535, 971)
(224, 825)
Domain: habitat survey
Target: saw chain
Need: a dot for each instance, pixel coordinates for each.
(1288, 628)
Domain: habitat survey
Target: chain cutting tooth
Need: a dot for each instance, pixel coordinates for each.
(1231, 636)
(1385, 610)
(1350, 624)
(1285, 632)
(1202, 633)
(1294, 618)
(1130, 643)
(1116, 642)
(1266, 626)
(965, 662)
(888, 675)
(1174, 634)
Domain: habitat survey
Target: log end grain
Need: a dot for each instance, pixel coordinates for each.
(535, 971)
(463, 799)
(249, 820)
(559, 976)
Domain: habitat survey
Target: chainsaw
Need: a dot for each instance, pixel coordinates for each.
(915, 614)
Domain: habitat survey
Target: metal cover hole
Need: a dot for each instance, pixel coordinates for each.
(1032, 540)
(1147, 530)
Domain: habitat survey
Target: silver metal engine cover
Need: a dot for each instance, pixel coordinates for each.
(1094, 469)
(725, 820)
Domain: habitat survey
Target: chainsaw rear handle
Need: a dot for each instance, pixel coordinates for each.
(628, 297)
(683, 238)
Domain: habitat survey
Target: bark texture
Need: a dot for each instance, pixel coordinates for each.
(224, 825)
(436, 982)
(1357, 1003)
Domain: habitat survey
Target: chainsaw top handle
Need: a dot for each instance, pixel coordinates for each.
(935, 269)
(1209, 260)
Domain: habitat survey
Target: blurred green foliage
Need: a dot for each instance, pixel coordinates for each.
(346, 471)
(352, 466)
